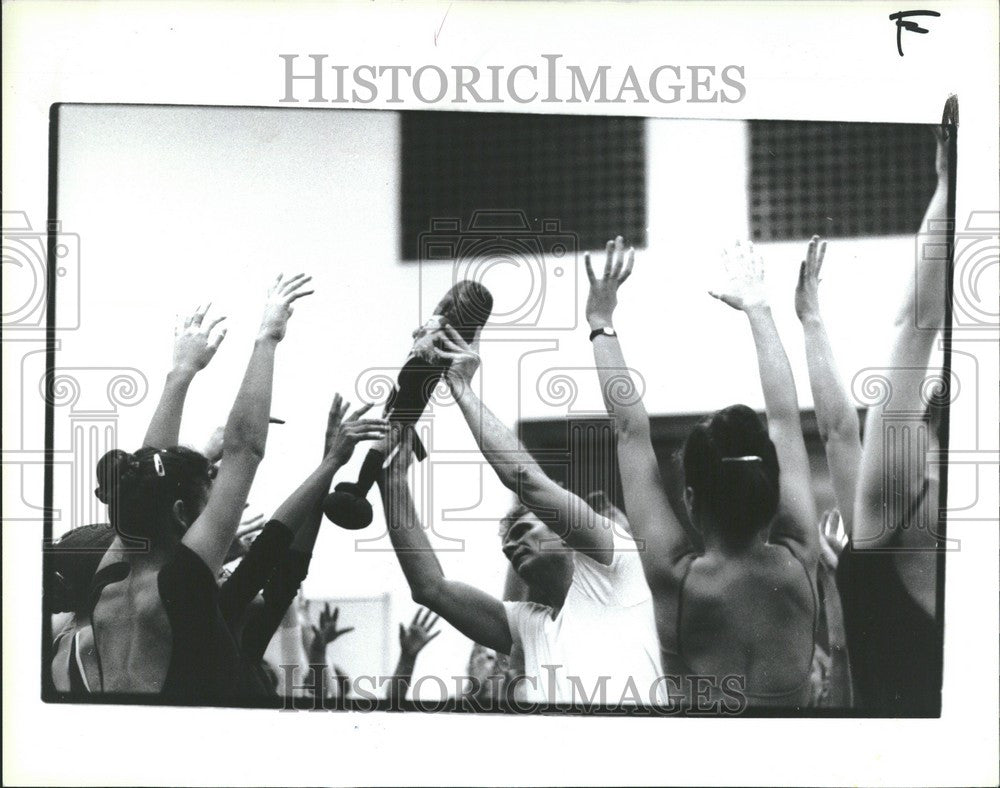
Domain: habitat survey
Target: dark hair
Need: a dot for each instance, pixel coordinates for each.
(140, 489)
(517, 511)
(732, 466)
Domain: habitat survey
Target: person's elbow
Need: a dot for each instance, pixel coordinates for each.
(843, 427)
(427, 593)
(244, 440)
(633, 428)
(526, 481)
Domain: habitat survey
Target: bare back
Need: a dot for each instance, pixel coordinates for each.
(753, 616)
(132, 633)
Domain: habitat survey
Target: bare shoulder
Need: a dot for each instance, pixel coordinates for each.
(767, 572)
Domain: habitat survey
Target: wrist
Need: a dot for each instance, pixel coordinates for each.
(810, 320)
(181, 373)
(758, 311)
(407, 661)
(330, 464)
(266, 339)
(461, 389)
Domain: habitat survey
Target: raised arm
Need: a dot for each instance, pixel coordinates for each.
(246, 432)
(664, 545)
(878, 511)
(471, 611)
(302, 512)
(412, 640)
(281, 570)
(579, 526)
(194, 347)
(744, 291)
(836, 417)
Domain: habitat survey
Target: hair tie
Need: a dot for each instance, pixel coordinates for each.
(158, 465)
(747, 458)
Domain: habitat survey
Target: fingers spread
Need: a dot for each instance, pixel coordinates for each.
(361, 411)
(609, 260)
(589, 268)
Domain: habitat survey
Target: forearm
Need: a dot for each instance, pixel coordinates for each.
(780, 399)
(836, 417)
(628, 412)
(413, 549)
(246, 428)
(302, 512)
(512, 463)
(877, 509)
(932, 265)
(834, 413)
(164, 429)
(401, 678)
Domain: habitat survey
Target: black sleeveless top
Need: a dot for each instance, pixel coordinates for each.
(895, 647)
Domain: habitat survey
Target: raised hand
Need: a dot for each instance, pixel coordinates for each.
(832, 538)
(463, 358)
(807, 289)
(194, 343)
(744, 272)
(326, 632)
(333, 421)
(413, 638)
(343, 436)
(280, 297)
(603, 296)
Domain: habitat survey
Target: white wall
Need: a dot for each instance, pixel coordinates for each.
(177, 206)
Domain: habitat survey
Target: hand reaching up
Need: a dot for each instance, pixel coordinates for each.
(194, 343)
(413, 638)
(280, 297)
(807, 290)
(744, 273)
(324, 634)
(463, 358)
(342, 436)
(833, 538)
(603, 298)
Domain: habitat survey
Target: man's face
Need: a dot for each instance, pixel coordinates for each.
(529, 545)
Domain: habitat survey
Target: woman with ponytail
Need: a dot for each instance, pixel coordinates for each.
(152, 622)
(742, 609)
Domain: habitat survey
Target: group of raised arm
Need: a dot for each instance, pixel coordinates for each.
(153, 618)
(747, 586)
(757, 603)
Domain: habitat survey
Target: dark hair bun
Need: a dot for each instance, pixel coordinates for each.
(112, 469)
(732, 466)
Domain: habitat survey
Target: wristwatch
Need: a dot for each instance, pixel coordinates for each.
(606, 331)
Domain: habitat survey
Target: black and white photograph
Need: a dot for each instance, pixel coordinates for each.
(473, 417)
(582, 529)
